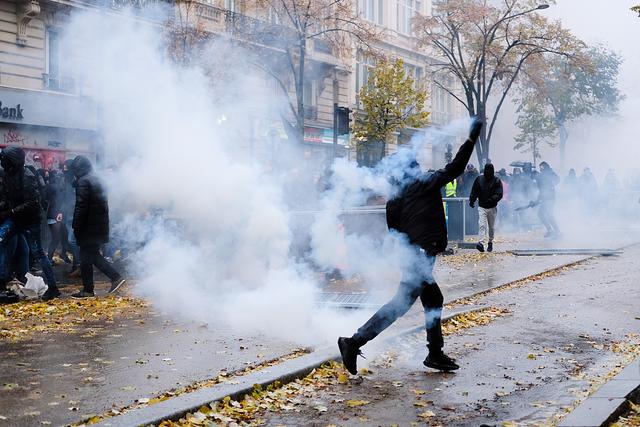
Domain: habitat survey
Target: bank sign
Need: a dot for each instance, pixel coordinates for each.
(13, 113)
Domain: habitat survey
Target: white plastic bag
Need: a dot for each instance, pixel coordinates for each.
(34, 288)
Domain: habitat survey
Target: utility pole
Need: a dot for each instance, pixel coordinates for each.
(336, 88)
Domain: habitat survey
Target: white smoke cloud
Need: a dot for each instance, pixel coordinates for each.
(220, 249)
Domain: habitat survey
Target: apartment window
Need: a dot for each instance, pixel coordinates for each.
(364, 65)
(442, 102)
(230, 5)
(53, 53)
(372, 10)
(406, 11)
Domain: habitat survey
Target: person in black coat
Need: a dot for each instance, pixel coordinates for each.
(56, 216)
(547, 181)
(20, 211)
(91, 226)
(417, 212)
(487, 190)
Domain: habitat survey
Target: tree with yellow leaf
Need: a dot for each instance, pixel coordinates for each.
(391, 101)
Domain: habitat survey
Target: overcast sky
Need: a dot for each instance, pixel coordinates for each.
(599, 144)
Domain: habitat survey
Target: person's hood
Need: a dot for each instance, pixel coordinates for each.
(489, 171)
(12, 158)
(81, 166)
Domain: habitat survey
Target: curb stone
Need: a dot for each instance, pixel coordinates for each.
(609, 401)
(286, 372)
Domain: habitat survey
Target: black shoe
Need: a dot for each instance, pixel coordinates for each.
(50, 294)
(8, 297)
(441, 362)
(480, 247)
(116, 284)
(83, 294)
(349, 352)
(490, 247)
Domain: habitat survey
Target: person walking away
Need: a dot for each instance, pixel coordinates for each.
(20, 212)
(91, 227)
(487, 190)
(56, 217)
(547, 181)
(68, 205)
(417, 211)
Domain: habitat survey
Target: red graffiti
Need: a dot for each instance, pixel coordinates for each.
(12, 137)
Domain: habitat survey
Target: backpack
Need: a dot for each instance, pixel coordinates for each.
(394, 213)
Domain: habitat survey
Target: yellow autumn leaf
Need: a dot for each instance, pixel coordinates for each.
(354, 403)
(427, 414)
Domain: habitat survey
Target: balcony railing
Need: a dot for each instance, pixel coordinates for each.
(310, 112)
(60, 83)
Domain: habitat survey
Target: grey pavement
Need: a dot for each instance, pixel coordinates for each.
(526, 368)
(62, 378)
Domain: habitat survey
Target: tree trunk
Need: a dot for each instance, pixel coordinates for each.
(564, 136)
(300, 90)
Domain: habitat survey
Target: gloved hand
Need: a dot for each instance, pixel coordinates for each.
(476, 128)
(472, 204)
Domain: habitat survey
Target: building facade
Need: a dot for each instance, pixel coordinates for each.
(41, 109)
(395, 19)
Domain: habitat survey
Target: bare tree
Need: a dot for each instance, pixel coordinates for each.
(485, 48)
(332, 23)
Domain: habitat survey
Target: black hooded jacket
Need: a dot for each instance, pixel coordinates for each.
(21, 191)
(91, 213)
(420, 211)
(487, 189)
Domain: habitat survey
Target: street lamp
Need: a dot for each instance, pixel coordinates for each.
(543, 6)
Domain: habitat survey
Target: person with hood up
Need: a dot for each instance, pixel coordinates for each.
(20, 212)
(487, 190)
(91, 227)
(417, 211)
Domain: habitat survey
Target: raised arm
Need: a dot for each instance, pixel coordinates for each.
(454, 169)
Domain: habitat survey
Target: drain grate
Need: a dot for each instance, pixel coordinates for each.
(542, 252)
(350, 300)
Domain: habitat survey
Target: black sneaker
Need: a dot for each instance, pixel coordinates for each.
(50, 294)
(490, 247)
(116, 284)
(441, 362)
(349, 352)
(480, 247)
(83, 294)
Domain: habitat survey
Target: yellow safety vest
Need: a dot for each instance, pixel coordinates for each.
(450, 189)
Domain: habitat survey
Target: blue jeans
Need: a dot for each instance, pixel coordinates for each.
(15, 249)
(32, 235)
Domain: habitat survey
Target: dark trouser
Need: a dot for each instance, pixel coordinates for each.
(32, 234)
(90, 256)
(59, 235)
(545, 213)
(418, 283)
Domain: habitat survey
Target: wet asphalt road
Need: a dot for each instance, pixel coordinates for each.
(63, 378)
(525, 367)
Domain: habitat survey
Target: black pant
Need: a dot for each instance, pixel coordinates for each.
(59, 235)
(90, 256)
(418, 282)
